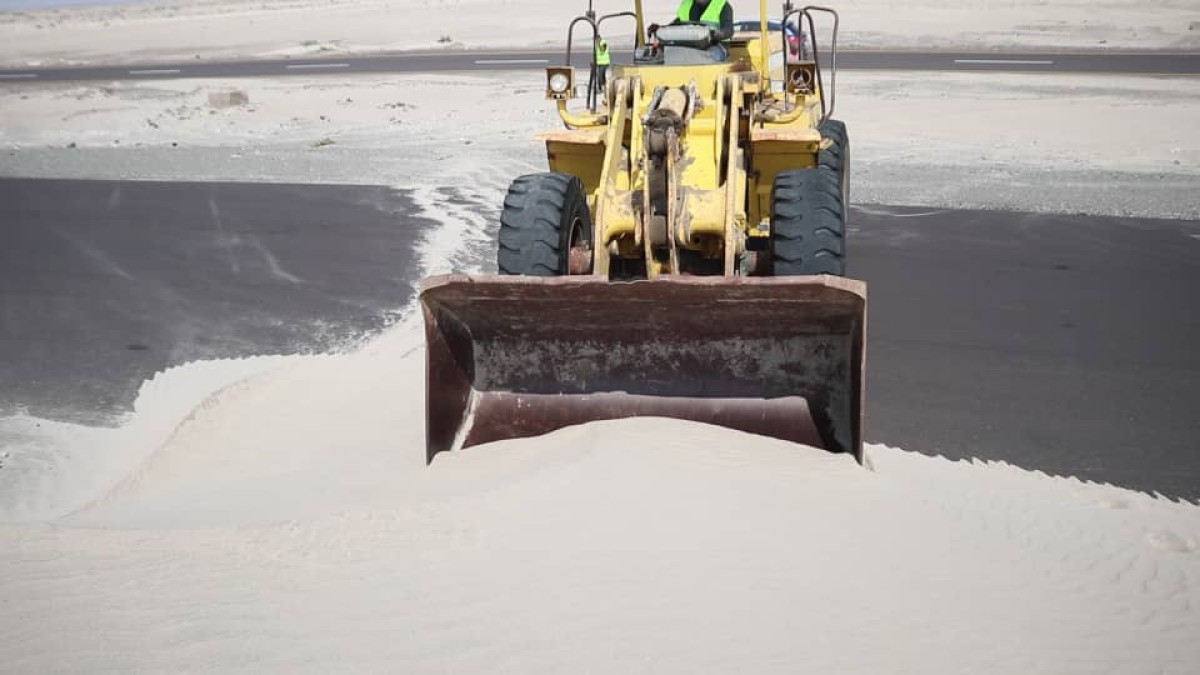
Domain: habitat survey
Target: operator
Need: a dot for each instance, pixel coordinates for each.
(603, 59)
(718, 14)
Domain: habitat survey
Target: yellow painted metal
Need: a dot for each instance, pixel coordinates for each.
(735, 183)
(737, 137)
(640, 18)
(764, 48)
(580, 120)
(607, 209)
(578, 153)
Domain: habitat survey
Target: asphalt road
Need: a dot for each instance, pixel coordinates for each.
(1061, 343)
(1165, 63)
(103, 284)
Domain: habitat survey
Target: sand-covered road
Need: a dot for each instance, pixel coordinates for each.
(275, 514)
(221, 29)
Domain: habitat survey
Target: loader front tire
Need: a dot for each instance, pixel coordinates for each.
(808, 230)
(544, 216)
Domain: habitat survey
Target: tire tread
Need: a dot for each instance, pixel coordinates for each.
(531, 240)
(808, 223)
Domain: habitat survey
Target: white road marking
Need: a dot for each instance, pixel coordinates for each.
(1005, 62)
(18, 76)
(894, 214)
(504, 62)
(317, 66)
(161, 71)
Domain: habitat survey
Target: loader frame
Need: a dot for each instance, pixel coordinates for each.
(747, 130)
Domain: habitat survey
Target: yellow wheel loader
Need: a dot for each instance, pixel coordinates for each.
(684, 256)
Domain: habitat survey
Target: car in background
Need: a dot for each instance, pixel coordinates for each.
(796, 47)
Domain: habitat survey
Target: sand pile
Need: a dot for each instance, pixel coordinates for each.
(278, 531)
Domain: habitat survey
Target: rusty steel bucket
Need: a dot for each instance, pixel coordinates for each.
(512, 357)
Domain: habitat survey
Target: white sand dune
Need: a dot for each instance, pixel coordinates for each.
(636, 546)
(276, 514)
(281, 532)
(54, 468)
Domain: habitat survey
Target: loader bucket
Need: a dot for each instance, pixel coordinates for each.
(512, 356)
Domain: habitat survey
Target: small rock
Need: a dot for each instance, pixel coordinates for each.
(228, 98)
(72, 146)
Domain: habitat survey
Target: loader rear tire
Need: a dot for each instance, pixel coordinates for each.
(544, 215)
(808, 230)
(837, 156)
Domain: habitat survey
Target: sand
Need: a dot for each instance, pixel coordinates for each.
(952, 140)
(641, 546)
(275, 514)
(1046, 121)
(218, 29)
(1102, 144)
(257, 539)
(279, 532)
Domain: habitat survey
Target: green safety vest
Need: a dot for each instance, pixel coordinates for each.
(603, 56)
(711, 16)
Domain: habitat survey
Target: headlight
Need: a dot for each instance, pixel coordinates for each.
(559, 83)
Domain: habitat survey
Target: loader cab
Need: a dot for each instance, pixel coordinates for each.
(689, 44)
(694, 46)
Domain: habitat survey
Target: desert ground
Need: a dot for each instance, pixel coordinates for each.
(218, 29)
(275, 513)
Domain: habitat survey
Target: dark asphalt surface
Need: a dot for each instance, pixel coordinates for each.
(1164, 63)
(103, 284)
(1061, 343)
